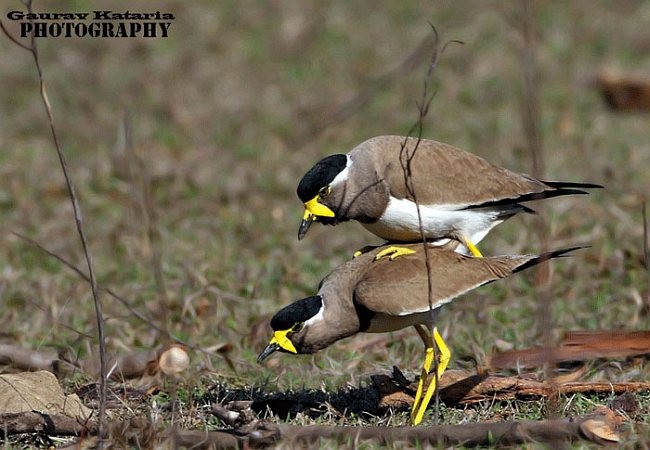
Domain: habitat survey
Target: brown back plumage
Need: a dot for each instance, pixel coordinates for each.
(400, 287)
(442, 174)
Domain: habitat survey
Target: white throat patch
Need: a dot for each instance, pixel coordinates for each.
(318, 316)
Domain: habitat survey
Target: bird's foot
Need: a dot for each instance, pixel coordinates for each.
(393, 252)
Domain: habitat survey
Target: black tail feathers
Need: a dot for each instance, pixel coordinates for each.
(546, 256)
(568, 184)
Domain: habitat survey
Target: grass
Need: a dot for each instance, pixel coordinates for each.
(221, 114)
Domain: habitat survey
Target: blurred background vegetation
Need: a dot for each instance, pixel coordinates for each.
(230, 111)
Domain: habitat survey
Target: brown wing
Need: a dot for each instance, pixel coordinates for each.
(400, 287)
(444, 174)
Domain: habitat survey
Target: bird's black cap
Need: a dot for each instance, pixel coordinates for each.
(320, 176)
(296, 312)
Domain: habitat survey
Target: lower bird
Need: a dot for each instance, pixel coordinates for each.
(461, 196)
(376, 296)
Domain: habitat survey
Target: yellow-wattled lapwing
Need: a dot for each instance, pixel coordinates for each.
(461, 196)
(376, 296)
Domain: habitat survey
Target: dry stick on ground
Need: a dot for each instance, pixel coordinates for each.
(265, 433)
(501, 433)
(48, 424)
(595, 428)
(463, 387)
(33, 49)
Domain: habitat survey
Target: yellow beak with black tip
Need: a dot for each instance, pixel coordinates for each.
(313, 210)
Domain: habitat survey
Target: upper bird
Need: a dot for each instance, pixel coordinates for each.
(461, 196)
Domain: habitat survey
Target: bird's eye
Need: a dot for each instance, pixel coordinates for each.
(297, 327)
(324, 191)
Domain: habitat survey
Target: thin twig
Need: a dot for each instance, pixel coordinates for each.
(531, 119)
(646, 256)
(530, 114)
(150, 215)
(349, 107)
(110, 292)
(33, 49)
(13, 39)
(406, 160)
(127, 303)
(530, 103)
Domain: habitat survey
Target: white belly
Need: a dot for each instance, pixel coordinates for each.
(400, 222)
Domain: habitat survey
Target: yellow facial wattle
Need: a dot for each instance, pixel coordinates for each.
(280, 338)
(314, 208)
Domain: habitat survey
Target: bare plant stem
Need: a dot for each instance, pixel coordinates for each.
(530, 108)
(150, 215)
(336, 114)
(531, 119)
(646, 256)
(113, 294)
(406, 158)
(531, 114)
(33, 49)
(153, 234)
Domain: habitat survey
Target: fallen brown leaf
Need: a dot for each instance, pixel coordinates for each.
(596, 429)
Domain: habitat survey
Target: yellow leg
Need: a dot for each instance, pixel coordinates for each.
(421, 402)
(393, 252)
(472, 248)
(444, 357)
(428, 361)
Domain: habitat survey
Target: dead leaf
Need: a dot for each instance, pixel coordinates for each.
(597, 429)
(391, 394)
(397, 400)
